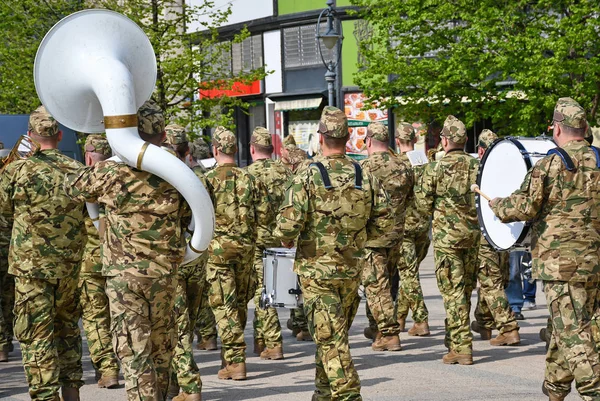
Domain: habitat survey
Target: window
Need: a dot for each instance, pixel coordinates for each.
(300, 47)
(247, 55)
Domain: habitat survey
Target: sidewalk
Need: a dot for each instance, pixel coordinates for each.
(415, 373)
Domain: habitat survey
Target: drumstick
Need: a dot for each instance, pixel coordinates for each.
(475, 188)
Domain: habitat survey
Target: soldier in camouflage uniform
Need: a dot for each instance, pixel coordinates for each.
(333, 209)
(95, 313)
(561, 195)
(274, 176)
(45, 257)
(191, 279)
(234, 195)
(445, 191)
(295, 158)
(493, 310)
(415, 245)
(379, 264)
(206, 326)
(144, 244)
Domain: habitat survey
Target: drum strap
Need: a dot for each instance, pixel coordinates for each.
(327, 181)
(567, 161)
(597, 152)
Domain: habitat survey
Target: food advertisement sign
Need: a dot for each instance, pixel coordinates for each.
(359, 119)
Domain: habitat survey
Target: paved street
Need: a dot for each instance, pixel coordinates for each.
(415, 373)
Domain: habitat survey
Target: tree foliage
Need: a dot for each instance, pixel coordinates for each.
(183, 59)
(503, 60)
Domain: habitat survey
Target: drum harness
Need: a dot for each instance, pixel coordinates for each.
(327, 181)
(568, 162)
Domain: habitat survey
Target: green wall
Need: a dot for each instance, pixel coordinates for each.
(349, 54)
(298, 6)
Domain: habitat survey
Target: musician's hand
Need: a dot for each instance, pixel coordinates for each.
(493, 202)
(287, 245)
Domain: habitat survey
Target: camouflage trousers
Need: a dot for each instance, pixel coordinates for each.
(298, 319)
(95, 316)
(46, 325)
(410, 294)
(7, 302)
(188, 295)
(493, 310)
(230, 290)
(378, 265)
(330, 307)
(455, 273)
(266, 321)
(143, 328)
(206, 326)
(573, 352)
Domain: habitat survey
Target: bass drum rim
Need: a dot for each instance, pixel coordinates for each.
(279, 251)
(528, 164)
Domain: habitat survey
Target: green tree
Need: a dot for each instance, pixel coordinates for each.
(432, 58)
(23, 24)
(183, 59)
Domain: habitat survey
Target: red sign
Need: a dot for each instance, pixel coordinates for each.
(237, 89)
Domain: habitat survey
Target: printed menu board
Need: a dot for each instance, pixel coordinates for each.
(359, 119)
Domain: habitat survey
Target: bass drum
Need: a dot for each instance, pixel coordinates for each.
(501, 172)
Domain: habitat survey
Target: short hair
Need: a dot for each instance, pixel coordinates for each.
(181, 149)
(570, 131)
(404, 142)
(335, 143)
(153, 139)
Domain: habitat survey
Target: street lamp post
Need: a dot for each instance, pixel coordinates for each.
(330, 38)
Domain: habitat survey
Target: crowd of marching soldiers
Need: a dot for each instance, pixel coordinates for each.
(351, 223)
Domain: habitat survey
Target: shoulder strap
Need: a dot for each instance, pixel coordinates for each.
(357, 175)
(564, 156)
(324, 175)
(597, 152)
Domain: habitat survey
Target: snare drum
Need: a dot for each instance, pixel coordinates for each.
(280, 283)
(501, 172)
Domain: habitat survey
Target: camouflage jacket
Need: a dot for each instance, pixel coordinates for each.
(92, 258)
(415, 222)
(333, 226)
(273, 177)
(563, 206)
(47, 233)
(444, 189)
(145, 218)
(196, 268)
(397, 180)
(233, 193)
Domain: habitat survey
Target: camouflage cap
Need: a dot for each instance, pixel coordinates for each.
(455, 130)
(42, 123)
(199, 149)
(224, 140)
(175, 134)
(98, 144)
(378, 131)
(405, 131)
(486, 138)
(333, 123)
(568, 112)
(262, 137)
(289, 140)
(296, 156)
(151, 120)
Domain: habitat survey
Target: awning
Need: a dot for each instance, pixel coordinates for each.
(298, 104)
